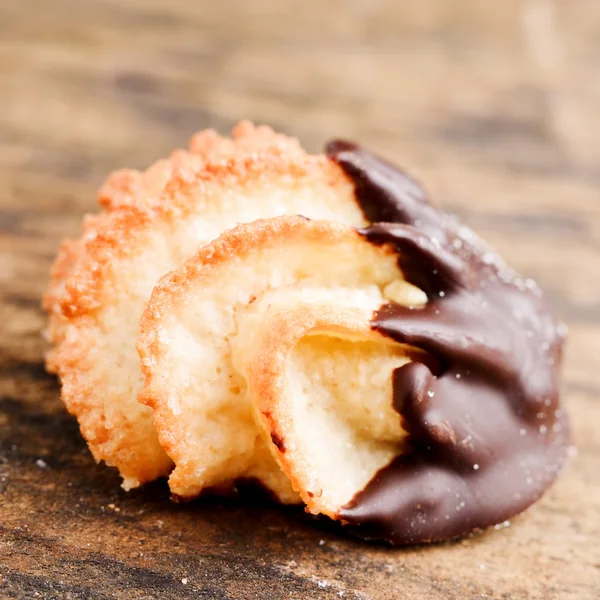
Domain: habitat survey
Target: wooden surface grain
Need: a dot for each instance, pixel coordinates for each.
(493, 104)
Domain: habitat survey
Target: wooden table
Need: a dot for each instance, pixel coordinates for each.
(493, 104)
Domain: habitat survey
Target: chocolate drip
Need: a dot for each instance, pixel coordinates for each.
(486, 431)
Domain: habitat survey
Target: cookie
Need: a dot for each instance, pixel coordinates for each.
(102, 282)
(369, 357)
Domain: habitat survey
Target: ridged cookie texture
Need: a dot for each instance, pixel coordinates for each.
(259, 355)
(151, 223)
(246, 311)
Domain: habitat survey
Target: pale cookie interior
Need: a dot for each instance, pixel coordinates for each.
(321, 380)
(232, 316)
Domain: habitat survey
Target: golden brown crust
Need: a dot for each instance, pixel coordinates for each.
(124, 187)
(66, 258)
(94, 283)
(121, 187)
(255, 155)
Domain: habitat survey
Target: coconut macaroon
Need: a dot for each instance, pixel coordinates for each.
(259, 349)
(151, 224)
(397, 377)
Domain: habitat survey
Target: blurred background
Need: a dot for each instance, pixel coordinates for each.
(493, 105)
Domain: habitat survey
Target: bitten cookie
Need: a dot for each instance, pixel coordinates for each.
(313, 323)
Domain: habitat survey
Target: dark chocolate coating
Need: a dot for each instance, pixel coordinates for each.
(486, 432)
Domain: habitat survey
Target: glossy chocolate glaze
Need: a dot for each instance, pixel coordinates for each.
(486, 431)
